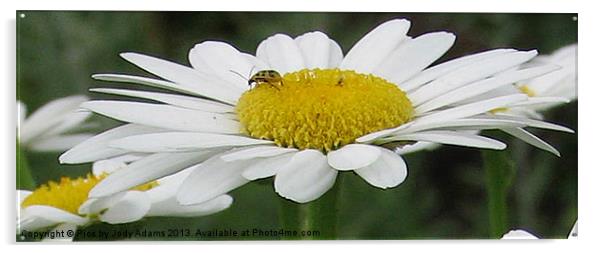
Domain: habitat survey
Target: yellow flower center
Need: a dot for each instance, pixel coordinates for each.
(322, 109)
(69, 194)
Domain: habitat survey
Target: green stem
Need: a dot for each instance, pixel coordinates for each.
(318, 217)
(499, 171)
(24, 178)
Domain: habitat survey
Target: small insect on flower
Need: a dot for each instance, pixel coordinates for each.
(271, 77)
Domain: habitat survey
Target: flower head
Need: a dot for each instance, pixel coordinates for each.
(66, 202)
(310, 113)
(48, 128)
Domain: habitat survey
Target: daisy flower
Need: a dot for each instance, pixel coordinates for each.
(47, 129)
(519, 234)
(522, 234)
(65, 205)
(315, 114)
(547, 90)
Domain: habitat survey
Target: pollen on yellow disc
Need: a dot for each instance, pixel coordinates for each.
(69, 194)
(322, 109)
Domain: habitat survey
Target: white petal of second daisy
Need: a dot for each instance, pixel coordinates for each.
(132, 207)
(518, 234)
(306, 177)
(21, 195)
(171, 207)
(281, 53)
(49, 115)
(147, 169)
(375, 46)
(212, 178)
(59, 143)
(353, 156)
(54, 214)
(388, 171)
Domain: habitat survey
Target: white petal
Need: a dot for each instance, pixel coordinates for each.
(132, 207)
(528, 122)
(531, 139)
(171, 207)
(536, 101)
(469, 73)
(94, 206)
(222, 60)
(451, 138)
(96, 148)
(353, 156)
(374, 47)
(315, 47)
(212, 178)
(436, 71)
(267, 167)
(54, 214)
(177, 100)
(256, 152)
(481, 87)
(168, 186)
(470, 109)
(48, 116)
(146, 170)
(185, 76)
(378, 134)
(147, 81)
(463, 123)
(59, 143)
(21, 113)
(164, 116)
(281, 53)
(418, 146)
(107, 166)
(34, 223)
(306, 177)
(518, 234)
(69, 123)
(22, 195)
(182, 142)
(388, 171)
(336, 55)
(414, 55)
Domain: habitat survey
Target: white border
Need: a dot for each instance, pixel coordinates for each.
(589, 92)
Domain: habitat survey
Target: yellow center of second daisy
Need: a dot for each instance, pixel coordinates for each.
(69, 194)
(322, 109)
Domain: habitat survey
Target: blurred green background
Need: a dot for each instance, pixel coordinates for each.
(444, 195)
